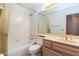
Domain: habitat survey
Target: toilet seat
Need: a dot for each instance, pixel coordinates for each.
(34, 47)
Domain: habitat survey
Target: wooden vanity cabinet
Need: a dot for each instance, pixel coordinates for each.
(49, 52)
(52, 48)
(47, 49)
(65, 49)
(47, 43)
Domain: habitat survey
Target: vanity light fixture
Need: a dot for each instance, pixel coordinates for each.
(49, 5)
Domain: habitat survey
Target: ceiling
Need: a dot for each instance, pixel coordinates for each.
(40, 6)
(30, 5)
(35, 6)
(58, 7)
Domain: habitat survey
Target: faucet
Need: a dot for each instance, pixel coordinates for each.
(67, 37)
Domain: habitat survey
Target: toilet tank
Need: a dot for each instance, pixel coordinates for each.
(39, 40)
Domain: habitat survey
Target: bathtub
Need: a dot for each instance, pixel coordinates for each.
(20, 51)
(1, 54)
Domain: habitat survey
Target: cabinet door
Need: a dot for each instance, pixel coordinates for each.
(47, 43)
(48, 52)
(65, 49)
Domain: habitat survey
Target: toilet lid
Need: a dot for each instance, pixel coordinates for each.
(34, 47)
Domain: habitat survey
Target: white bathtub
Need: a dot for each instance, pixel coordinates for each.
(20, 51)
(1, 54)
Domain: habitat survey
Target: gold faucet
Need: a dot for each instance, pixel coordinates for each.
(65, 37)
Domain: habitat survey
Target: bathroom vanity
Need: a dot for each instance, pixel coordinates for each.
(52, 48)
(54, 45)
(64, 21)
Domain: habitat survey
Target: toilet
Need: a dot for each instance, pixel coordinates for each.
(34, 49)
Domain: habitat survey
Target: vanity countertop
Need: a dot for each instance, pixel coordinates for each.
(47, 34)
(59, 38)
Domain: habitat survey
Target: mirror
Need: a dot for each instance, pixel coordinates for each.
(60, 19)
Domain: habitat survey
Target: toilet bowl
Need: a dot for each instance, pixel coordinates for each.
(34, 49)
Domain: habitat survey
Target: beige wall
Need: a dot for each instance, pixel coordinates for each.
(33, 22)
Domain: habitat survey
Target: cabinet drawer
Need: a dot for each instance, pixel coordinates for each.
(47, 43)
(48, 52)
(64, 52)
(65, 49)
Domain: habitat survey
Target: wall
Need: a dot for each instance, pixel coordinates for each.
(58, 19)
(43, 22)
(19, 30)
(33, 22)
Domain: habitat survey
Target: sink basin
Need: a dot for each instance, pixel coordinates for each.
(63, 40)
(52, 37)
(75, 41)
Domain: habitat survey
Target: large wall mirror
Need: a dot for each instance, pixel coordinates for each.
(61, 19)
